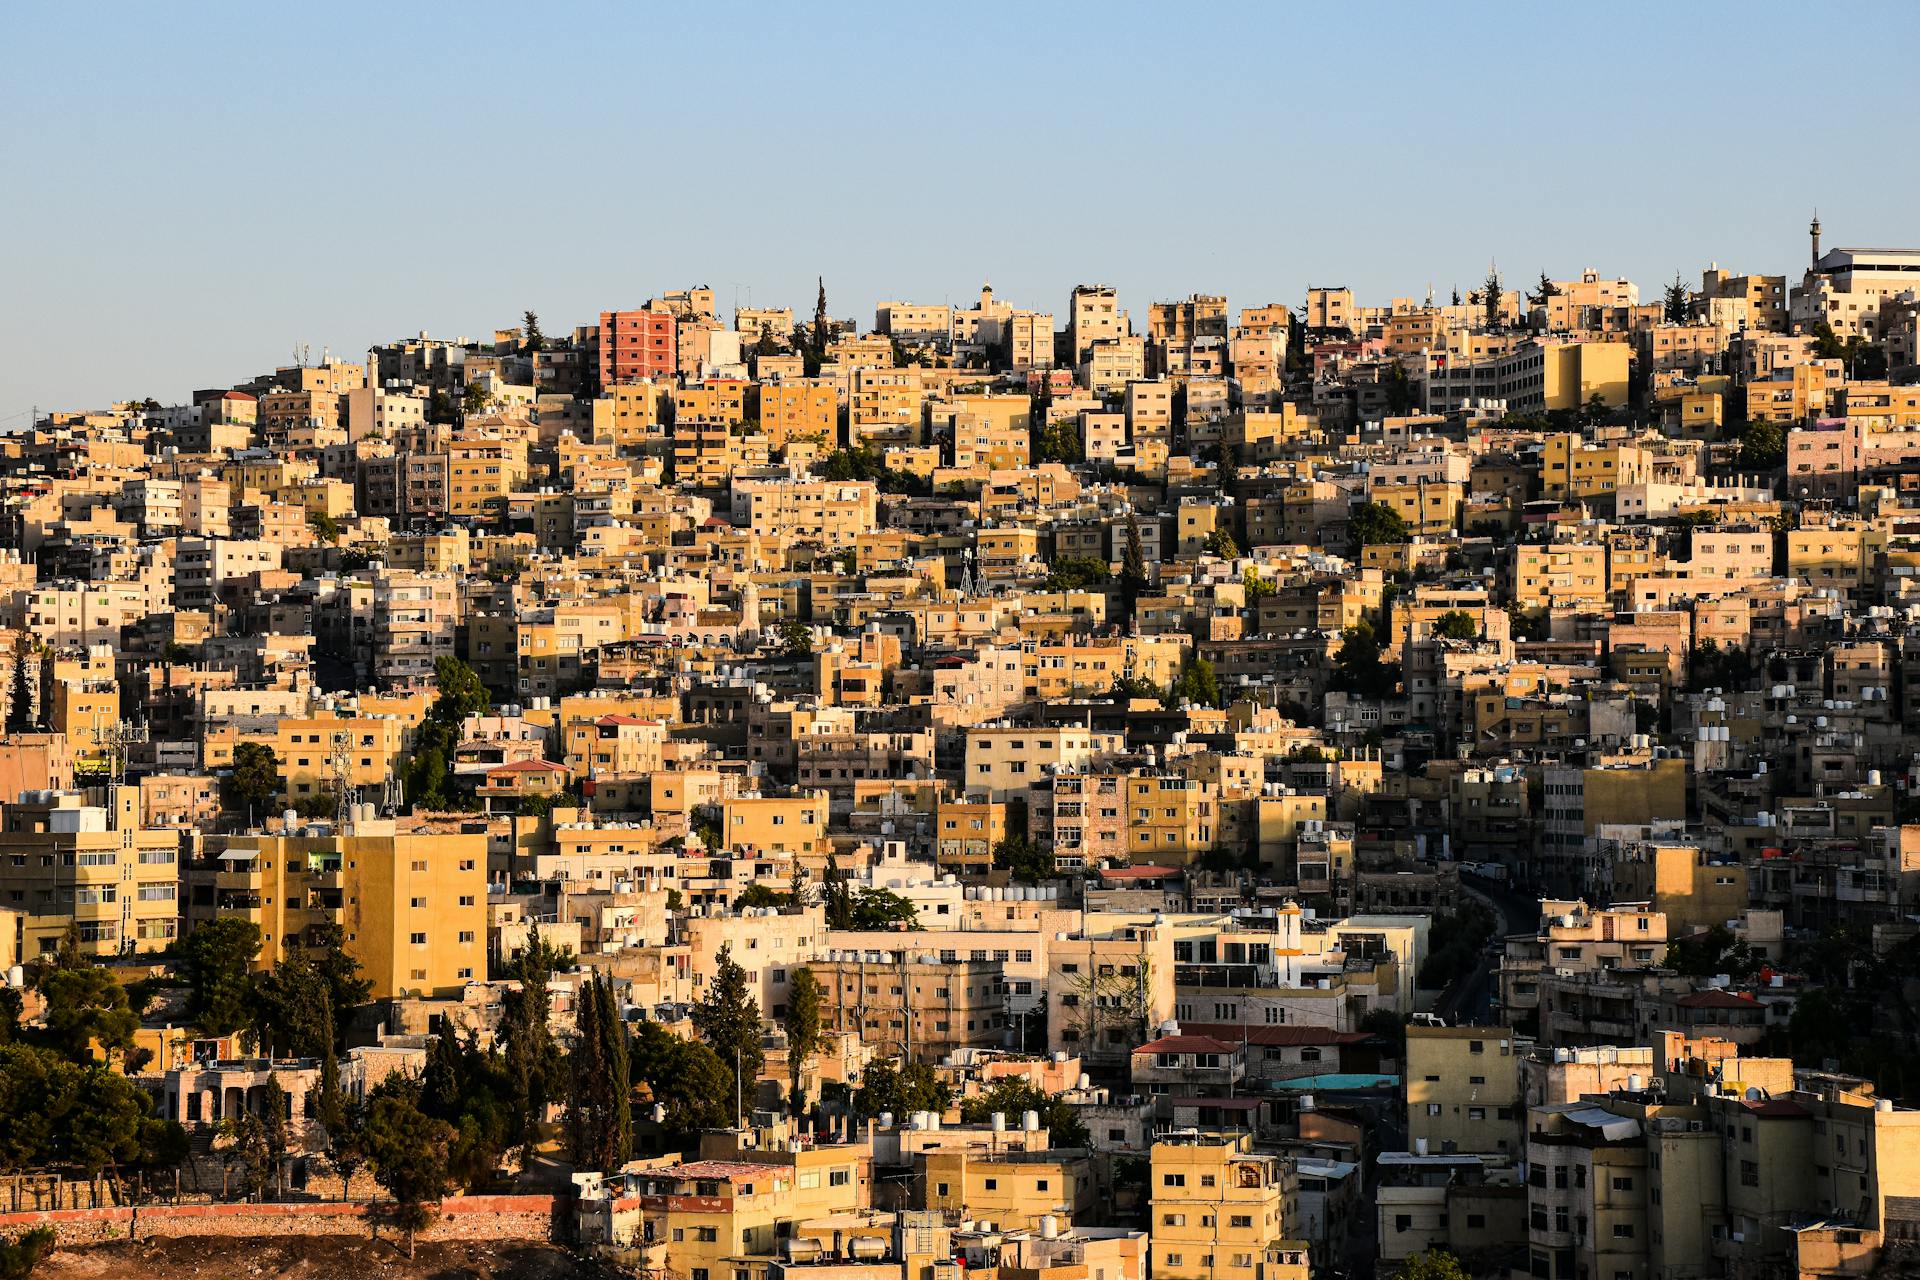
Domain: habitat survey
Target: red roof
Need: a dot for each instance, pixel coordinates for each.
(1717, 1000)
(527, 766)
(1138, 873)
(1185, 1044)
(616, 718)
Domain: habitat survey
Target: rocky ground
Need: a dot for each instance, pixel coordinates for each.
(317, 1258)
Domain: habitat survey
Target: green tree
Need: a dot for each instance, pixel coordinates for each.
(474, 400)
(1198, 684)
(85, 1005)
(1256, 587)
(1547, 289)
(324, 526)
(534, 340)
(341, 1118)
(796, 638)
(1012, 1098)
(1377, 524)
(1399, 389)
(1220, 543)
(1490, 293)
(461, 693)
(1455, 624)
(1432, 1264)
(408, 1150)
(685, 1078)
(534, 1065)
(1058, 442)
(347, 988)
(728, 1020)
(1712, 951)
(11, 1007)
(1129, 687)
(801, 1022)
(1358, 666)
(600, 1111)
(1763, 446)
(292, 1011)
(1677, 301)
(18, 1257)
(758, 897)
(57, 1113)
(215, 962)
(1077, 573)
(881, 909)
(902, 1089)
(254, 780)
(1133, 563)
(1019, 857)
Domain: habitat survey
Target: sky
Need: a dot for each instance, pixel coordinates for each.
(191, 191)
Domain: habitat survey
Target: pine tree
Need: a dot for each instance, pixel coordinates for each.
(1490, 297)
(819, 334)
(729, 1021)
(600, 1117)
(1133, 564)
(802, 1025)
(1678, 300)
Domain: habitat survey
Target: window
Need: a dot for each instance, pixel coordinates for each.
(1623, 1231)
(418, 939)
(1240, 1221)
(1170, 1180)
(839, 1177)
(1403, 1222)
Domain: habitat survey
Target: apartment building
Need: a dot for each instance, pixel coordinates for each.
(412, 908)
(1218, 1207)
(66, 863)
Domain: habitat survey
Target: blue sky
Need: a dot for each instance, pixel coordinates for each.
(192, 190)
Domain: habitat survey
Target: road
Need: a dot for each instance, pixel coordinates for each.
(1469, 1001)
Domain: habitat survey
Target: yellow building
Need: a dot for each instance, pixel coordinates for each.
(794, 825)
(65, 863)
(413, 908)
(1217, 1206)
(1559, 575)
(1571, 468)
(1463, 1090)
(1013, 1189)
(799, 410)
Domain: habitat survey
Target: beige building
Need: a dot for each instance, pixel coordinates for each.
(1218, 1207)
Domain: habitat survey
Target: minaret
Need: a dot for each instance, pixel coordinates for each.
(1814, 231)
(750, 608)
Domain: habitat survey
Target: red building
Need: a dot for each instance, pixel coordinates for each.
(636, 345)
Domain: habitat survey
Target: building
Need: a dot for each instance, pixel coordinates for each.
(1217, 1207)
(411, 908)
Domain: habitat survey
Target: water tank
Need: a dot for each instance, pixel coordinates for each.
(1030, 1121)
(1419, 1146)
(1049, 1227)
(998, 1122)
(886, 1119)
(1635, 1083)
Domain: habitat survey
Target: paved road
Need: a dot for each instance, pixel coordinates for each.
(1469, 1002)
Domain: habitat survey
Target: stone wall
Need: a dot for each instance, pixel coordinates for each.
(459, 1218)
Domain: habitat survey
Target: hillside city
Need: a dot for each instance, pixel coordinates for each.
(1415, 788)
